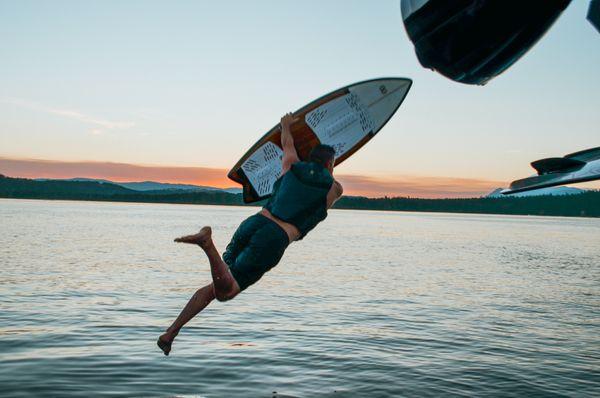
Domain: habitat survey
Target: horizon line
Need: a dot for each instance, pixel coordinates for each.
(427, 187)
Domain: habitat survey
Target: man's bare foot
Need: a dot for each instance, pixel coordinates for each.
(165, 341)
(202, 238)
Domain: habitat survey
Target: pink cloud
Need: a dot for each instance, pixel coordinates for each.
(34, 168)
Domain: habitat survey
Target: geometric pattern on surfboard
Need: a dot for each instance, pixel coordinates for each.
(341, 123)
(263, 168)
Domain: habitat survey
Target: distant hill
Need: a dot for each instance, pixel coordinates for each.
(107, 191)
(556, 191)
(586, 204)
(55, 188)
(150, 185)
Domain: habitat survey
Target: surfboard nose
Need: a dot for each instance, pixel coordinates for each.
(382, 97)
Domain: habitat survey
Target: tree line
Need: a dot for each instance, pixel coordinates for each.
(586, 204)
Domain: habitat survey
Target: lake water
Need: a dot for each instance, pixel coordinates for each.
(370, 304)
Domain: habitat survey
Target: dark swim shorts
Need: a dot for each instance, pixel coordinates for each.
(256, 247)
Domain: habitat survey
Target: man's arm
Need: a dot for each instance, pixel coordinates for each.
(290, 156)
(335, 192)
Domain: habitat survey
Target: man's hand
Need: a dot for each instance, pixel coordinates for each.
(290, 156)
(286, 122)
(334, 193)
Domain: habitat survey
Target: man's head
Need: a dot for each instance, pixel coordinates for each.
(323, 155)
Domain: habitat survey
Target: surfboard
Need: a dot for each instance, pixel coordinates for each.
(346, 119)
(576, 167)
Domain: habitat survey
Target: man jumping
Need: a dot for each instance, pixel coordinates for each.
(300, 200)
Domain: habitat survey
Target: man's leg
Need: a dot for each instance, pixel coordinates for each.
(224, 287)
(197, 303)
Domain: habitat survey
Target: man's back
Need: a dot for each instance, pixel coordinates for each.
(300, 196)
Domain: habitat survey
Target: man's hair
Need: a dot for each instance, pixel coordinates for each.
(322, 154)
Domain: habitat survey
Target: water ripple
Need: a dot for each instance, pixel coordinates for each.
(371, 304)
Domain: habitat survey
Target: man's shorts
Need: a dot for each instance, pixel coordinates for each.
(256, 247)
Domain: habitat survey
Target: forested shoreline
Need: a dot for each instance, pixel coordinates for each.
(586, 204)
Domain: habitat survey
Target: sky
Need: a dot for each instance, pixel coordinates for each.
(177, 91)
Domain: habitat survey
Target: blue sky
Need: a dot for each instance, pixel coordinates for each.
(195, 83)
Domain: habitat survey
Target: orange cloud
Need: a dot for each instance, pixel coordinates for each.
(417, 187)
(413, 186)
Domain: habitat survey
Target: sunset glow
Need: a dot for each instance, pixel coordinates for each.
(360, 185)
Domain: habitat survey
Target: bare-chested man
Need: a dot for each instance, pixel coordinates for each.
(300, 200)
